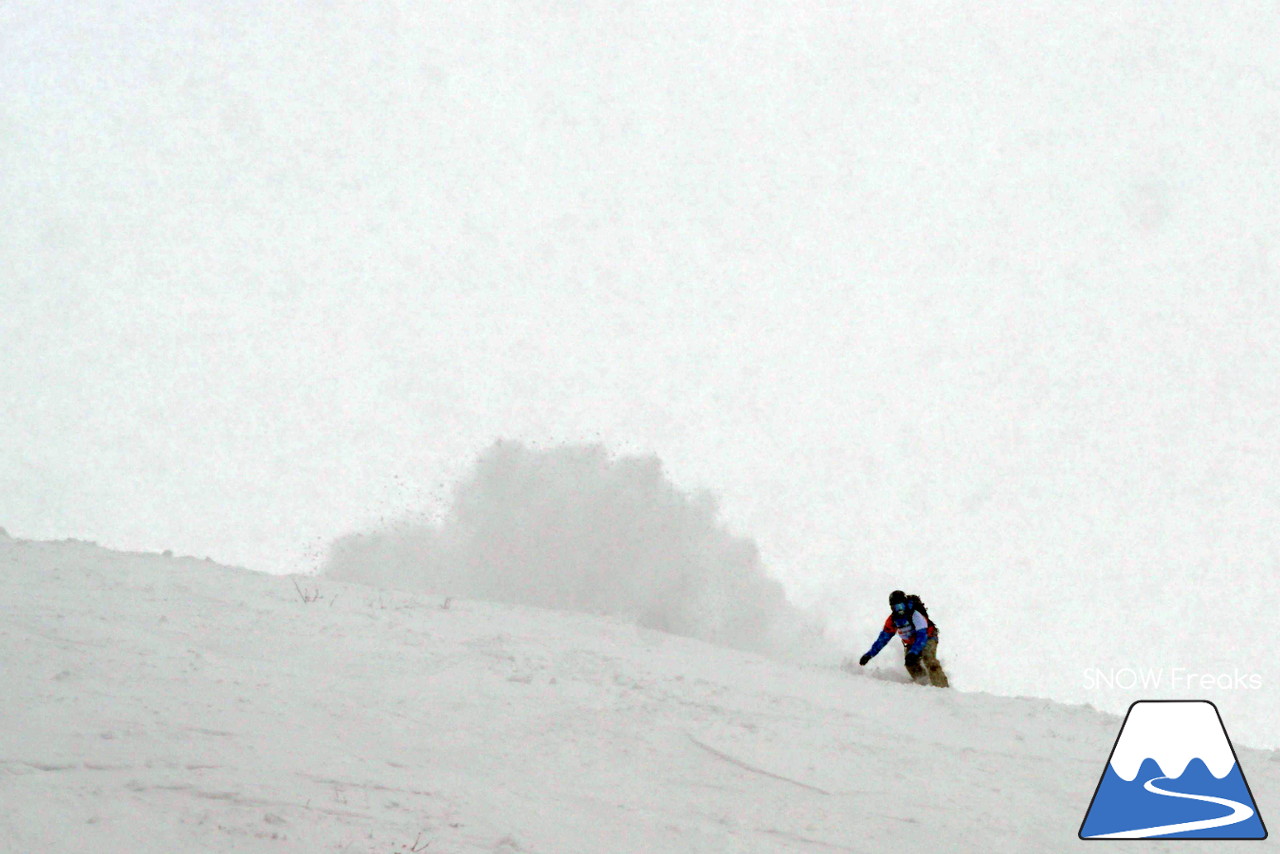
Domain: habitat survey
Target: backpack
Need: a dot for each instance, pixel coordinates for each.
(915, 603)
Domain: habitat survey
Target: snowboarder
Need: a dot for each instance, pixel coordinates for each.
(910, 621)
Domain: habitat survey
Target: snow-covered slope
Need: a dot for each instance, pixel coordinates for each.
(160, 704)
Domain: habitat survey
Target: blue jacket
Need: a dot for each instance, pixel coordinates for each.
(914, 630)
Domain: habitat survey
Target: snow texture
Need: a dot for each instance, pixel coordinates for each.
(156, 704)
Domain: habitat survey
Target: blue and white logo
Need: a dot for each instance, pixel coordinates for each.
(1173, 775)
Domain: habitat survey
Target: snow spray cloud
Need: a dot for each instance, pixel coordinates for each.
(573, 528)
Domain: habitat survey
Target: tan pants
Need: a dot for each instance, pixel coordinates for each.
(929, 667)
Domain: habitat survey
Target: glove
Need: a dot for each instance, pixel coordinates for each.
(912, 659)
(863, 661)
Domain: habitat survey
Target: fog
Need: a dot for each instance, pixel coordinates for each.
(981, 302)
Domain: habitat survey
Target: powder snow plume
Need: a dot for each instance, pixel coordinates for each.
(574, 528)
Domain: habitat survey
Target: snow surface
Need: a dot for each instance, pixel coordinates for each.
(1172, 734)
(161, 704)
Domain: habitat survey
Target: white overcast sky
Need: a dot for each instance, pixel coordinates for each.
(983, 296)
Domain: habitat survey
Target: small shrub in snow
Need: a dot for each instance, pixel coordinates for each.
(308, 595)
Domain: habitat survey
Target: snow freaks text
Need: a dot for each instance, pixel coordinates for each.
(1171, 678)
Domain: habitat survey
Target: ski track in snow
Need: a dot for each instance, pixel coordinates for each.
(754, 770)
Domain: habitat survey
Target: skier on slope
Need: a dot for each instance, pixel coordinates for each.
(919, 635)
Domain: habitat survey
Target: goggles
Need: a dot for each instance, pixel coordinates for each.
(900, 608)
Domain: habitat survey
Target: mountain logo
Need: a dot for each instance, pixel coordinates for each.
(1172, 774)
